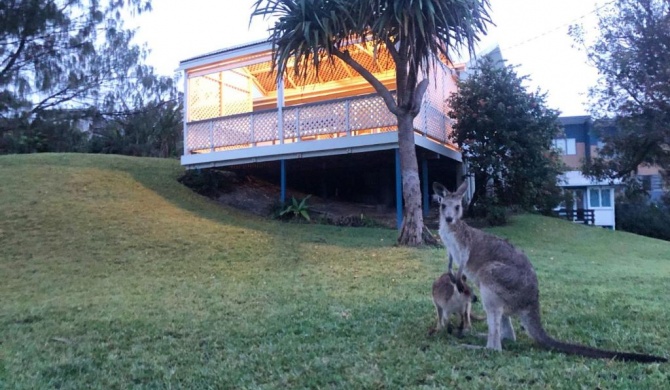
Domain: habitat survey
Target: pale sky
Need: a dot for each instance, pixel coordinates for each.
(531, 33)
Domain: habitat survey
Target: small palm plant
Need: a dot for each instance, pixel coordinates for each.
(297, 209)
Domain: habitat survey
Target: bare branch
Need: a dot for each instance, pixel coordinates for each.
(370, 78)
(418, 97)
(12, 59)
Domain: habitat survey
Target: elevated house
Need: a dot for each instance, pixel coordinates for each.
(593, 201)
(328, 133)
(591, 197)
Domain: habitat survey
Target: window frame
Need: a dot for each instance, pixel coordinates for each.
(566, 146)
(599, 197)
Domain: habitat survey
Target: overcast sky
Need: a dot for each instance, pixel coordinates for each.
(531, 33)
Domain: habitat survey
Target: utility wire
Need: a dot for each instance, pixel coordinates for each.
(553, 30)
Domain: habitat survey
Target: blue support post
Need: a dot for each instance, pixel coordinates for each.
(424, 189)
(398, 189)
(282, 196)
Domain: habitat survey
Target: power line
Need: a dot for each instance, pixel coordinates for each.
(547, 32)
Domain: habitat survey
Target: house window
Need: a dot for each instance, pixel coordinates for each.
(600, 197)
(566, 146)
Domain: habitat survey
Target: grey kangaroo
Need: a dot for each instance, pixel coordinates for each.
(452, 296)
(506, 281)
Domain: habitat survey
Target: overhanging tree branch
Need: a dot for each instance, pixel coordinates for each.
(12, 60)
(418, 97)
(369, 77)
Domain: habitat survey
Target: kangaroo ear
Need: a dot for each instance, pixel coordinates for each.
(439, 189)
(462, 188)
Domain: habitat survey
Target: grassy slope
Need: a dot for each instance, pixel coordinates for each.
(113, 275)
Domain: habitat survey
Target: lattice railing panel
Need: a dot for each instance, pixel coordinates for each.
(435, 93)
(324, 118)
(370, 112)
(436, 124)
(291, 125)
(265, 126)
(198, 136)
(219, 133)
(219, 94)
(350, 117)
(204, 98)
(432, 120)
(419, 122)
(232, 131)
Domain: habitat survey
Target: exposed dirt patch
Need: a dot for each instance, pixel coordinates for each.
(262, 198)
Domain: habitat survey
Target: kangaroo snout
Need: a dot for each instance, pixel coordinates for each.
(449, 219)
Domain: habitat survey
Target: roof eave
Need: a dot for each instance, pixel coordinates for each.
(226, 54)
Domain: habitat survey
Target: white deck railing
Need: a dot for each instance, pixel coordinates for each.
(347, 117)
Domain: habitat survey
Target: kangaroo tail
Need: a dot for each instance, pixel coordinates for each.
(531, 321)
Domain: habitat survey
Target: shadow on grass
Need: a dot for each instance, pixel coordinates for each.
(160, 176)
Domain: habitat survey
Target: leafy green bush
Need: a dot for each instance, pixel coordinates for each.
(496, 215)
(488, 212)
(646, 219)
(208, 182)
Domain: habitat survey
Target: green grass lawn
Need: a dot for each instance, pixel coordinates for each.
(114, 276)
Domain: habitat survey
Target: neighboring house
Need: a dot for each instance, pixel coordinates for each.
(328, 132)
(590, 197)
(580, 143)
(652, 182)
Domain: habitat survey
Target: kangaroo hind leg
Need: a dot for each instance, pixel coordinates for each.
(494, 313)
(440, 318)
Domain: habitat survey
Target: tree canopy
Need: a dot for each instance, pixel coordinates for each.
(506, 134)
(632, 55)
(63, 61)
(416, 33)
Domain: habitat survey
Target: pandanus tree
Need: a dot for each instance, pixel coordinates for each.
(415, 32)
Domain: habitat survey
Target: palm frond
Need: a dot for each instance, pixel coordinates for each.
(307, 31)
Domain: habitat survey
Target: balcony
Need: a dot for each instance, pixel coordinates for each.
(350, 118)
(237, 112)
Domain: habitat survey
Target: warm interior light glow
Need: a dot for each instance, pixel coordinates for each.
(335, 102)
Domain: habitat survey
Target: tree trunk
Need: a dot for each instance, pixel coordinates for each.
(411, 232)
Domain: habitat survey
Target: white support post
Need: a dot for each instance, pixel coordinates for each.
(185, 115)
(280, 110)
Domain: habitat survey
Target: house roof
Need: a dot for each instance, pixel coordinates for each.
(574, 120)
(226, 50)
(368, 55)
